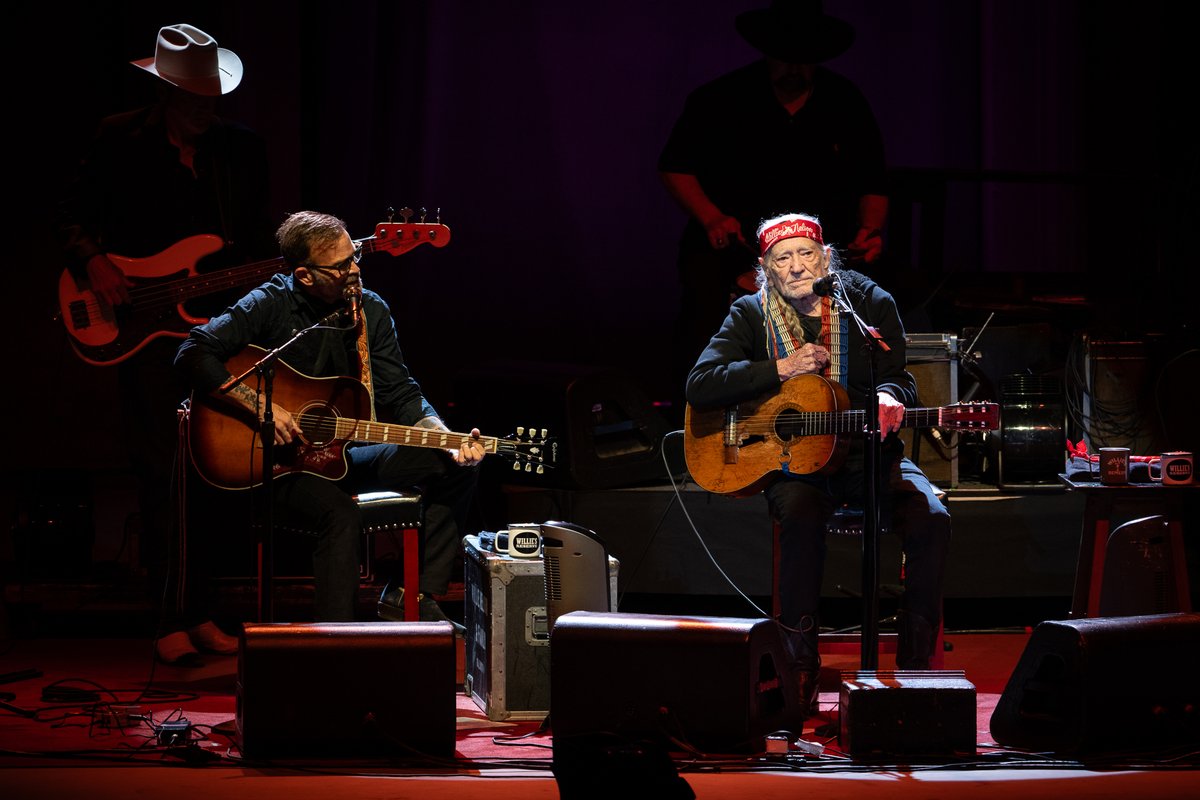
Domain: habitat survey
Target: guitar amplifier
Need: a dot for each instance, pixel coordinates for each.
(933, 362)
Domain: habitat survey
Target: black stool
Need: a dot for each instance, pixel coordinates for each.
(388, 513)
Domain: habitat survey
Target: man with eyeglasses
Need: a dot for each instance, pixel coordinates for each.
(324, 278)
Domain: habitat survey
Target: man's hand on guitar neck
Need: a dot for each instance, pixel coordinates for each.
(808, 360)
(107, 281)
(469, 452)
(891, 414)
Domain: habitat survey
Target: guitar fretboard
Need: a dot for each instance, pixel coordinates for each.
(320, 428)
(827, 423)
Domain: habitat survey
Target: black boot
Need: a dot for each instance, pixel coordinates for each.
(801, 642)
(916, 639)
(391, 607)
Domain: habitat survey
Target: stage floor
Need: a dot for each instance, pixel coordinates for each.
(58, 738)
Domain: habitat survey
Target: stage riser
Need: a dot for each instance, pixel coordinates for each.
(1004, 545)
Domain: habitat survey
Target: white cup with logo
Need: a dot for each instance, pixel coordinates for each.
(1174, 469)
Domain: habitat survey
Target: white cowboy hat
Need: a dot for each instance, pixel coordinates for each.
(189, 58)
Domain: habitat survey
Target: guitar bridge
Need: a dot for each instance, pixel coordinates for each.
(730, 435)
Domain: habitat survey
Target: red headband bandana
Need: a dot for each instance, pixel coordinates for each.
(789, 229)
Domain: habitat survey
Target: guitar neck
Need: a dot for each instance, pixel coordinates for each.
(213, 282)
(826, 423)
(233, 277)
(361, 430)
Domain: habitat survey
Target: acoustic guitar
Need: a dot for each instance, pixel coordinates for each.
(802, 429)
(226, 447)
(103, 334)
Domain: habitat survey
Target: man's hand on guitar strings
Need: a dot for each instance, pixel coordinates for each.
(107, 280)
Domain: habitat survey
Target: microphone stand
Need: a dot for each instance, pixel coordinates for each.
(265, 368)
(869, 656)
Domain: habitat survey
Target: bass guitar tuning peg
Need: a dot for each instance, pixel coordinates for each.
(405, 214)
(423, 213)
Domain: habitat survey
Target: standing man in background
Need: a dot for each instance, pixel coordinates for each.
(778, 134)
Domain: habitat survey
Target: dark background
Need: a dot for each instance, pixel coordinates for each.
(1043, 157)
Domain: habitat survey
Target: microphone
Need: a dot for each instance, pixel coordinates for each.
(353, 295)
(823, 287)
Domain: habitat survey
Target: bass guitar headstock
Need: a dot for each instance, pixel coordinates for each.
(400, 237)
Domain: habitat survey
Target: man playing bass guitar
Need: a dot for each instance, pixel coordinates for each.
(786, 331)
(153, 177)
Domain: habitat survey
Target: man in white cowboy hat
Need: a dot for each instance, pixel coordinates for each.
(779, 134)
(153, 177)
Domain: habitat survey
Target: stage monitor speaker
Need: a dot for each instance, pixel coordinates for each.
(1106, 684)
(923, 713)
(717, 684)
(606, 431)
(343, 689)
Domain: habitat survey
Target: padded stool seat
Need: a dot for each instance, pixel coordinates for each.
(389, 512)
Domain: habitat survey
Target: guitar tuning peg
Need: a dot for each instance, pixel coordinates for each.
(391, 213)
(528, 467)
(438, 214)
(516, 466)
(520, 431)
(544, 432)
(405, 214)
(423, 212)
(541, 470)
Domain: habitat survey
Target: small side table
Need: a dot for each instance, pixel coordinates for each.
(1100, 500)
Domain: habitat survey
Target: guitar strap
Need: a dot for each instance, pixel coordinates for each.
(364, 362)
(783, 338)
(833, 333)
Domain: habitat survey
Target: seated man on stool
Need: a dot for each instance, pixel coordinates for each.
(324, 276)
(786, 330)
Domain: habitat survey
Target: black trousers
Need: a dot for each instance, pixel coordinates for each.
(328, 509)
(802, 506)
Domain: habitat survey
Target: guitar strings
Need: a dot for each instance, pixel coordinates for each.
(810, 423)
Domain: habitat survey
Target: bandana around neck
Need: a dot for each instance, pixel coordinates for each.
(783, 341)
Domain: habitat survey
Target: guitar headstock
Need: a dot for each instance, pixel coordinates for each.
(531, 450)
(400, 237)
(976, 416)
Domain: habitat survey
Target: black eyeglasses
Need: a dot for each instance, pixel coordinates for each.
(342, 267)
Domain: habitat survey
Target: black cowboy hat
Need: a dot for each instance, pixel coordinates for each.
(796, 31)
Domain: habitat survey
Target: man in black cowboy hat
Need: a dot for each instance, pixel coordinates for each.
(778, 134)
